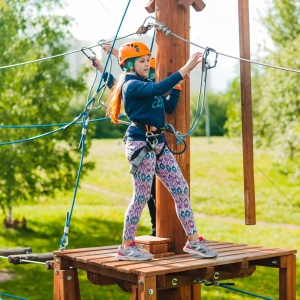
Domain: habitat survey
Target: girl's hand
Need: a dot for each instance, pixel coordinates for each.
(97, 64)
(193, 61)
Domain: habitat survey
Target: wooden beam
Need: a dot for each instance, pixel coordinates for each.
(150, 7)
(40, 257)
(246, 102)
(14, 251)
(198, 5)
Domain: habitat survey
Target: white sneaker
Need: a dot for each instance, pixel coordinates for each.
(132, 252)
(199, 248)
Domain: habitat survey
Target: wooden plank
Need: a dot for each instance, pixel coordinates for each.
(100, 279)
(87, 259)
(246, 101)
(91, 253)
(101, 261)
(66, 252)
(97, 269)
(148, 239)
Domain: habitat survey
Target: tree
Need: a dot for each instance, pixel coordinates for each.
(36, 93)
(217, 113)
(280, 92)
(276, 92)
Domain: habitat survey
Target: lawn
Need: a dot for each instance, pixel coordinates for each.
(217, 195)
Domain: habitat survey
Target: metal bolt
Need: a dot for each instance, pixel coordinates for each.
(274, 262)
(69, 277)
(174, 281)
(216, 275)
(140, 282)
(57, 261)
(151, 291)
(56, 271)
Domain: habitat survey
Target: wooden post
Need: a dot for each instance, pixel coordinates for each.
(171, 54)
(246, 101)
(287, 279)
(66, 284)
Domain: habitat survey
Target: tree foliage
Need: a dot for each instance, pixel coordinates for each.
(36, 93)
(217, 114)
(276, 92)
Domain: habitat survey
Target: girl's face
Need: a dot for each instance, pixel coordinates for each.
(142, 65)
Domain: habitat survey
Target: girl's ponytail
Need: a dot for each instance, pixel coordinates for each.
(114, 100)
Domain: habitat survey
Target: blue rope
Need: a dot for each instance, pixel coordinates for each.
(84, 115)
(65, 238)
(244, 292)
(108, 59)
(227, 286)
(32, 138)
(52, 125)
(11, 296)
(47, 133)
(200, 102)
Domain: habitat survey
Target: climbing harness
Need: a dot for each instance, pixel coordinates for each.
(151, 134)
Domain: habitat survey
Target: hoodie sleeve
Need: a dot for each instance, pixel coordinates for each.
(171, 101)
(110, 79)
(148, 88)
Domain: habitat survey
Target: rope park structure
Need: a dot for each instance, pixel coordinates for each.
(173, 275)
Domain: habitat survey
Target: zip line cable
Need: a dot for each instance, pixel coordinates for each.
(167, 31)
(55, 56)
(107, 9)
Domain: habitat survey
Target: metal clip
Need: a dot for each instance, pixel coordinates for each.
(207, 65)
(83, 49)
(154, 143)
(143, 29)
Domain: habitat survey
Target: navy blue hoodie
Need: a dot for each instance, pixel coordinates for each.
(144, 102)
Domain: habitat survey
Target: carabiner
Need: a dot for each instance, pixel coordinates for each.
(83, 49)
(207, 65)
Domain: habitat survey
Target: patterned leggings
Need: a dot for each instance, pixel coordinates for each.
(168, 171)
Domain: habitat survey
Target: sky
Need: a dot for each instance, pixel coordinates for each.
(216, 26)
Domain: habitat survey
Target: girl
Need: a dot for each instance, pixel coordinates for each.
(145, 147)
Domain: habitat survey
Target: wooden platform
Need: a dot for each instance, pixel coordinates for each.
(150, 279)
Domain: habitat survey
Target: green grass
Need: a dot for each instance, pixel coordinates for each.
(217, 195)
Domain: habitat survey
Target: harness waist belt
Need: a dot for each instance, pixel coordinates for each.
(143, 127)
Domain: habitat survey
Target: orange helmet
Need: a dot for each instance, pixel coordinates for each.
(152, 62)
(131, 50)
